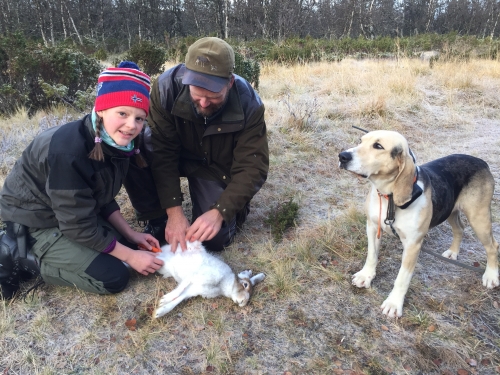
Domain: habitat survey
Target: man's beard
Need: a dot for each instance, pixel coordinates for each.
(211, 109)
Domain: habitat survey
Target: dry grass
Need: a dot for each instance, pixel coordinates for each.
(306, 317)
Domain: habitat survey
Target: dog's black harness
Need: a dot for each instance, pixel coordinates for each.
(390, 217)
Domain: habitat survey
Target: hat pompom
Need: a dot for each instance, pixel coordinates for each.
(128, 64)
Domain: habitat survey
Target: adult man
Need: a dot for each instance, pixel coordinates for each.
(208, 125)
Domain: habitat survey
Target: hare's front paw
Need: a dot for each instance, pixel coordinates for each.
(363, 278)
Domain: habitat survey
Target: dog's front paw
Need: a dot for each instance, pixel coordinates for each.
(450, 254)
(393, 306)
(363, 278)
(490, 278)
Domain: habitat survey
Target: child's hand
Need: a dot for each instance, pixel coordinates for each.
(154, 249)
(144, 262)
(144, 240)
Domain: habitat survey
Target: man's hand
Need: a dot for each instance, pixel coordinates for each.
(177, 225)
(205, 227)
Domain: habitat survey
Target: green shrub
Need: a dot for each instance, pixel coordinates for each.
(39, 76)
(148, 56)
(84, 100)
(247, 68)
(178, 48)
(281, 218)
(101, 54)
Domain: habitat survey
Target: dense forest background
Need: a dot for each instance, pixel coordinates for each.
(51, 51)
(117, 24)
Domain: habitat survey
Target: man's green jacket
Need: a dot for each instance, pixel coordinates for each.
(230, 147)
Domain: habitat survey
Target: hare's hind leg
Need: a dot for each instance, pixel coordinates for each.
(171, 299)
(166, 304)
(165, 308)
(174, 294)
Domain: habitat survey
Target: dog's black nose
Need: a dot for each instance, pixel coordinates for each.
(345, 157)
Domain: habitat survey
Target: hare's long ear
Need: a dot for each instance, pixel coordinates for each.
(403, 185)
(246, 274)
(257, 278)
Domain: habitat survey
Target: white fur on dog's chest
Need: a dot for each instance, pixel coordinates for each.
(415, 213)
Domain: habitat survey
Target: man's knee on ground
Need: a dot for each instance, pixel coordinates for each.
(110, 271)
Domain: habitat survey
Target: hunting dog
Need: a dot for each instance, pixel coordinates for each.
(406, 200)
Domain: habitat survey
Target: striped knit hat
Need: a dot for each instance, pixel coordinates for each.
(125, 85)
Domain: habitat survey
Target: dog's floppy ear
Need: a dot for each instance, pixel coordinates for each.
(403, 185)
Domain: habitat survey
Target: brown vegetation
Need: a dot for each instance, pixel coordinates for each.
(306, 317)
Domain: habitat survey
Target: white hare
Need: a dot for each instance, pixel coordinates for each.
(199, 273)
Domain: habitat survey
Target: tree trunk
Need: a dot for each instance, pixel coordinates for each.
(51, 23)
(62, 19)
(226, 16)
(492, 34)
(350, 24)
(129, 37)
(430, 12)
(139, 31)
(5, 12)
(263, 25)
(74, 26)
(101, 20)
(41, 23)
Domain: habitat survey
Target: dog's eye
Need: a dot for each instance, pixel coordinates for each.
(378, 146)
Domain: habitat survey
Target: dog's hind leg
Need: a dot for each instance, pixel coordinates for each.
(458, 231)
(479, 216)
(475, 202)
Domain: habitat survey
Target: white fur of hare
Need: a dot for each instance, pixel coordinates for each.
(199, 273)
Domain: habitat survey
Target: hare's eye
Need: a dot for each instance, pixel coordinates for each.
(245, 284)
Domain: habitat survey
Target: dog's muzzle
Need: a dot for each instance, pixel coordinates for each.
(344, 159)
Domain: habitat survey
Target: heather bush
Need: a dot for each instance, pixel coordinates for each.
(281, 218)
(247, 68)
(36, 77)
(148, 56)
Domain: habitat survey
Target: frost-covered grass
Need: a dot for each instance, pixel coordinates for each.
(306, 317)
